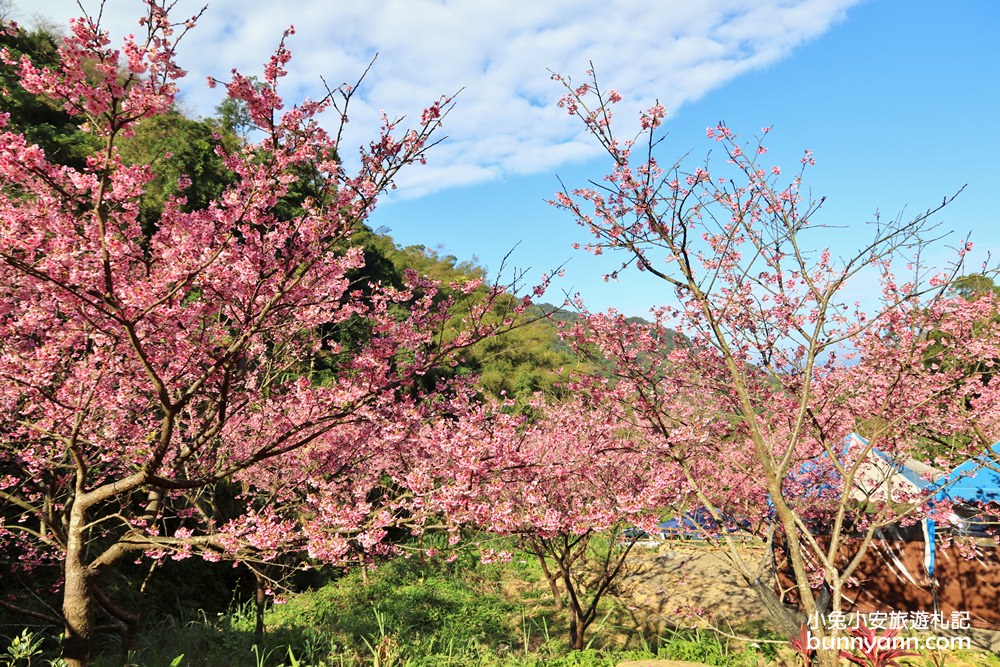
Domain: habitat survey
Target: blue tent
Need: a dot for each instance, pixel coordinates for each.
(686, 525)
(879, 470)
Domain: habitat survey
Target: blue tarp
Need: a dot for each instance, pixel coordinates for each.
(971, 485)
(690, 524)
(829, 479)
(697, 524)
(972, 481)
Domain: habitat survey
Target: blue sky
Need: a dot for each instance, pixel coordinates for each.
(897, 101)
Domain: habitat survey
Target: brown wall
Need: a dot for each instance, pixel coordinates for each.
(892, 577)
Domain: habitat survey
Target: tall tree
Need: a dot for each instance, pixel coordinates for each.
(781, 366)
(140, 369)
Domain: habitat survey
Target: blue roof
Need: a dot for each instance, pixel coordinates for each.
(972, 481)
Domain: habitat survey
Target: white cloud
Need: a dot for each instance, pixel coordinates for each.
(499, 51)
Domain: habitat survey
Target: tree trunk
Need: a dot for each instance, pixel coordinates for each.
(787, 621)
(827, 657)
(553, 580)
(557, 598)
(78, 604)
(577, 617)
(577, 630)
(260, 598)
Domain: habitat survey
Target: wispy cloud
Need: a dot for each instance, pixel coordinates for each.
(498, 51)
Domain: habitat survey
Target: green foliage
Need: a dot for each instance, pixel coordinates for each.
(443, 268)
(176, 146)
(22, 648)
(524, 361)
(939, 355)
(41, 120)
(529, 358)
(27, 649)
(973, 284)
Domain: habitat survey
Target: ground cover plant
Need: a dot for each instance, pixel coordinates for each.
(411, 611)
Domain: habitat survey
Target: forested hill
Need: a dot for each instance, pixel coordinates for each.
(528, 359)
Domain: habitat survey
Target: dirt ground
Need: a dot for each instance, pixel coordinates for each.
(677, 584)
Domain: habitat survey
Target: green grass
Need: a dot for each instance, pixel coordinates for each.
(420, 605)
(414, 613)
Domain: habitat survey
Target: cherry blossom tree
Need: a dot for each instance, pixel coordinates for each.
(781, 365)
(564, 478)
(141, 375)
